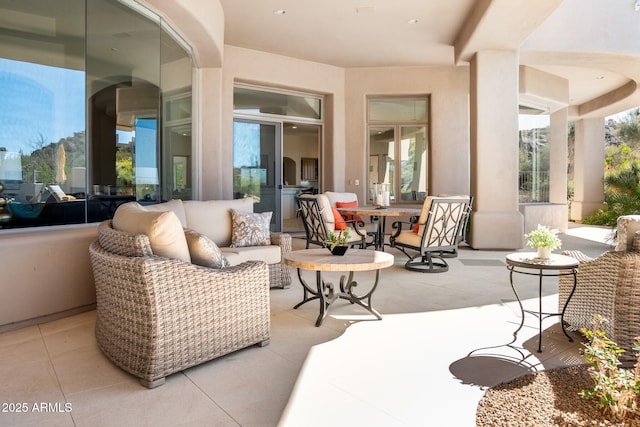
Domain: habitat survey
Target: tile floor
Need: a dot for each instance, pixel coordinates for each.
(428, 362)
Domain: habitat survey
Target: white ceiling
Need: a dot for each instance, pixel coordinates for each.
(378, 33)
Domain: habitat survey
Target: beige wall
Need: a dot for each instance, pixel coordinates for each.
(250, 66)
(448, 122)
(45, 271)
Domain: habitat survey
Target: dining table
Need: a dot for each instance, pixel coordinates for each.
(380, 215)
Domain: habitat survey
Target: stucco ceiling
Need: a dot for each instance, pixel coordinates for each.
(384, 33)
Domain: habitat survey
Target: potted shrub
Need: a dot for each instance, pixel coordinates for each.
(544, 240)
(338, 243)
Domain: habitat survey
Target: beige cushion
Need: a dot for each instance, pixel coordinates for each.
(409, 238)
(174, 205)
(627, 227)
(204, 251)
(213, 217)
(424, 214)
(327, 213)
(270, 254)
(340, 197)
(164, 230)
(250, 229)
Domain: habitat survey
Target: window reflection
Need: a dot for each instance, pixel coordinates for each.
(80, 124)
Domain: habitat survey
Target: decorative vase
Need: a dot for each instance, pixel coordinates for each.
(544, 253)
(339, 250)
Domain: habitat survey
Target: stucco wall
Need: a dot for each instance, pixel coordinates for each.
(276, 71)
(45, 271)
(448, 121)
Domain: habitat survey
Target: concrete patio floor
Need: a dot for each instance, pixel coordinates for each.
(441, 343)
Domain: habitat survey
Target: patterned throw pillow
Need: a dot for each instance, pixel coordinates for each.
(250, 229)
(204, 251)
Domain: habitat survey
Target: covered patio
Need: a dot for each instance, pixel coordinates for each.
(428, 362)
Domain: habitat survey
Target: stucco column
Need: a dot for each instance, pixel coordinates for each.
(496, 222)
(588, 169)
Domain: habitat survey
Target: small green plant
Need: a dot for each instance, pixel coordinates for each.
(340, 239)
(543, 237)
(616, 389)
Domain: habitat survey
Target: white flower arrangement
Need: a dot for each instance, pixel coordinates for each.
(543, 237)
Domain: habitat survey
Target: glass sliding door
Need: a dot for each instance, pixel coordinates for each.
(257, 171)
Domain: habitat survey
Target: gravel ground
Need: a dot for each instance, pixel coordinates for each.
(548, 398)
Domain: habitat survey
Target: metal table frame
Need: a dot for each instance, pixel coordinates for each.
(557, 265)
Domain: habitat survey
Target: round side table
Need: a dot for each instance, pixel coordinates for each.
(556, 265)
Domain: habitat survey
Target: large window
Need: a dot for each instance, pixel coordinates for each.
(534, 125)
(398, 146)
(81, 130)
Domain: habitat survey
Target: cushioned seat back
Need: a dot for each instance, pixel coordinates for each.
(625, 231)
(121, 243)
(313, 218)
(334, 197)
(213, 217)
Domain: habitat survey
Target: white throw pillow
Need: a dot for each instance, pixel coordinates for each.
(164, 229)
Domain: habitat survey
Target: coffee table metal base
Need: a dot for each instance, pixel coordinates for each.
(327, 294)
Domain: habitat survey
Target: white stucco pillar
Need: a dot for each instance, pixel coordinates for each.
(496, 222)
(588, 169)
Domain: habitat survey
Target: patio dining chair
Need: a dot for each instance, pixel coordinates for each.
(437, 231)
(318, 220)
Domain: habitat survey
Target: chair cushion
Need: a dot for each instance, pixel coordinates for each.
(327, 213)
(204, 251)
(335, 197)
(250, 229)
(174, 205)
(213, 217)
(165, 232)
(627, 227)
(424, 214)
(270, 254)
(340, 224)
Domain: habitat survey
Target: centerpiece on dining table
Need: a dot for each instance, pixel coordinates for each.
(338, 243)
(381, 195)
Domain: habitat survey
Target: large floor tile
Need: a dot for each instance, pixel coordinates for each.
(179, 402)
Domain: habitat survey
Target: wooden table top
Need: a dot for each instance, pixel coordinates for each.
(390, 211)
(354, 260)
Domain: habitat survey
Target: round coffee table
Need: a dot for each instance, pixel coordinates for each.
(320, 260)
(557, 265)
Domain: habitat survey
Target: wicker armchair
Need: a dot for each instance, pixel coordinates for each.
(157, 316)
(608, 285)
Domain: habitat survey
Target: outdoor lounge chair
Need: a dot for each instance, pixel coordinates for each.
(608, 285)
(318, 220)
(437, 231)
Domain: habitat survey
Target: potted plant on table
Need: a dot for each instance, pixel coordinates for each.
(338, 243)
(544, 239)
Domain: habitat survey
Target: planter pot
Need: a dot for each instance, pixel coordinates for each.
(339, 250)
(544, 253)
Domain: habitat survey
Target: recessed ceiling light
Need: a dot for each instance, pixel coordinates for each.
(412, 21)
(599, 77)
(279, 12)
